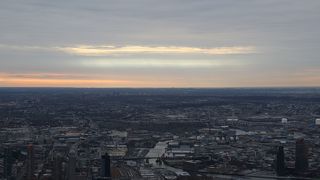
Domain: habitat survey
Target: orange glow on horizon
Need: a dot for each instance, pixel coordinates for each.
(37, 81)
(67, 80)
(82, 81)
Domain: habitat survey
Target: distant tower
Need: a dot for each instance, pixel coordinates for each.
(30, 162)
(106, 167)
(284, 120)
(280, 166)
(301, 156)
(8, 160)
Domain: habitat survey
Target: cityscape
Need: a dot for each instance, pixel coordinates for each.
(92, 134)
(159, 90)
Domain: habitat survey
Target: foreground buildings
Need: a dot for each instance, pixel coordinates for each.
(165, 134)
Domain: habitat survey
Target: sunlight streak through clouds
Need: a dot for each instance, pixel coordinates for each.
(87, 50)
(105, 50)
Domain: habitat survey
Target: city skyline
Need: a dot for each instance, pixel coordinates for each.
(145, 43)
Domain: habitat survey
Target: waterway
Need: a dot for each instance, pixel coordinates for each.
(158, 151)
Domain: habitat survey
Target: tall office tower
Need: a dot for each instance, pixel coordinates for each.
(8, 160)
(301, 156)
(72, 166)
(30, 162)
(280, 166)
(106, 167)
(57, 167)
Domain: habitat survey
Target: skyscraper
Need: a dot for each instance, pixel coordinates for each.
(72, 166)
(280, 164)
(8, 160)
(106, 167)
(301, 156)
(30, 162)
(57, 167)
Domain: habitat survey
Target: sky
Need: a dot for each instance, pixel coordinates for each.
(159, 43)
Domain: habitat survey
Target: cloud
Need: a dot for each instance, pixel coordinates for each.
(105, 50)
(197, 41)
(25, 48)
(156, 63)
(88, 50)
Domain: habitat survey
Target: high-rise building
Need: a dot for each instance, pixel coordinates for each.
(72, 166)
(30, 162)
(8, 160)
(301, 156)
(57, 167)
(280, 164)
(106, 167)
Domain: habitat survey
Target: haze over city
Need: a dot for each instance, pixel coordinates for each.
(159, 89)
(148, 43)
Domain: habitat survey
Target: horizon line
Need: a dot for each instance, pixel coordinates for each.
(227, 87)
